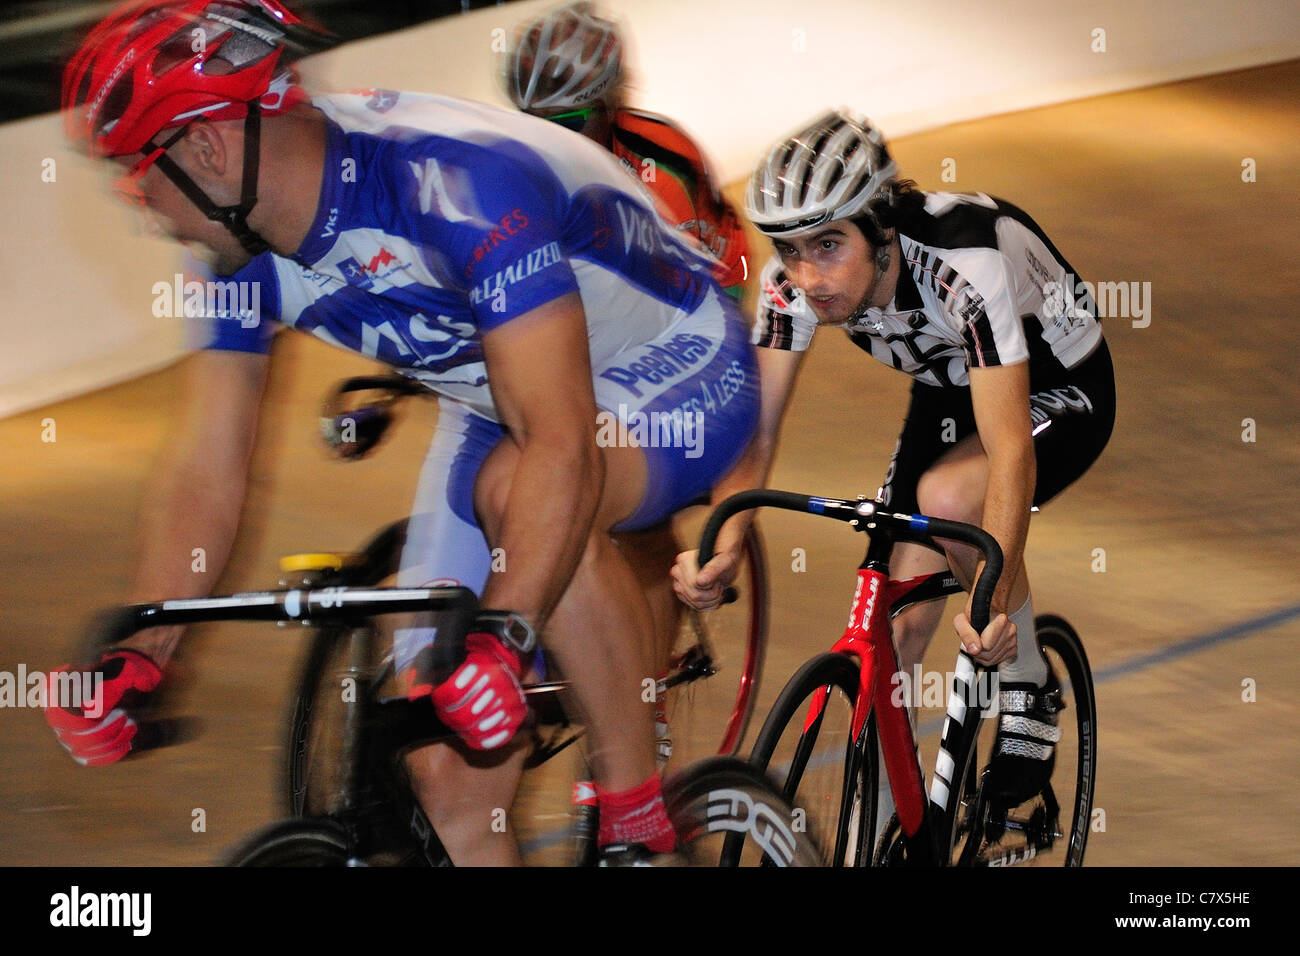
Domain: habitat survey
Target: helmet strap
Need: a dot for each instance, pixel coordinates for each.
(234, 218)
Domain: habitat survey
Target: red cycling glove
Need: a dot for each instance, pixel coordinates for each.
(482, 700)
(101, 730)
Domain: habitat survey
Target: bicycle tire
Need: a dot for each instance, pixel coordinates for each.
(818, 768)
(307, 794)
(726, 812)
(301, 842)
(711, 714)
(1070, 790)
(1056, 635)
(311, 767)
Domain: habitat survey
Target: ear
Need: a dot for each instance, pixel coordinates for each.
(207, 149)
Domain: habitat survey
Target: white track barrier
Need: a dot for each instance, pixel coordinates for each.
(77, 272)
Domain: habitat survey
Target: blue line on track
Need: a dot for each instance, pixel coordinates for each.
(1193, 644)
(1189, 646)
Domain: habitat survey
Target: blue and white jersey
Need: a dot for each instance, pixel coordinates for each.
(441, 219)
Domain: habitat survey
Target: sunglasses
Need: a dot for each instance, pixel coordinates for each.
(575, 120)
(127, 186)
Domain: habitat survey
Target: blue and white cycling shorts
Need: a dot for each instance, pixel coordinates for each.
(689, 399)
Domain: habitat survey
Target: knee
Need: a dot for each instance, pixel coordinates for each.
(912, 633)
(950, 494)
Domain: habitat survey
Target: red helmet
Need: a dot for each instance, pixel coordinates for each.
(161, 63)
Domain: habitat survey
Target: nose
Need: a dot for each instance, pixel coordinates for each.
(794, 270)
(801, 275)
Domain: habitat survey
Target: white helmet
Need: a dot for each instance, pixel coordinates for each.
(566, 59)
(835, 168)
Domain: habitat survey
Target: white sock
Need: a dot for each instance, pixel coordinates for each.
(1029, 666)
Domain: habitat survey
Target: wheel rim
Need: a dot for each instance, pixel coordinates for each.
(814, 763)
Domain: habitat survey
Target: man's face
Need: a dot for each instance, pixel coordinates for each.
(832, 267)
(169, 212)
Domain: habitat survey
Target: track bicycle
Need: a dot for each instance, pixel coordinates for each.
(707, 703)
(820, 738)
(374, 818)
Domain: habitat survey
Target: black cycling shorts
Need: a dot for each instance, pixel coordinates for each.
(1072, 412)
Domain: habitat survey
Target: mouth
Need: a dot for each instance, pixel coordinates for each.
(823, 301)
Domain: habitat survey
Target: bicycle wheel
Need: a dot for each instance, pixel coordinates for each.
(298, 842)
(806, 747)
(717, 660)
(321, 729)
(1052, 828)
(338, 668)
(726, 812)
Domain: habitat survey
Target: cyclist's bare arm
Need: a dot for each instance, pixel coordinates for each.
(777, 371)
(1000, 397)
(540, 373)
(197, 493)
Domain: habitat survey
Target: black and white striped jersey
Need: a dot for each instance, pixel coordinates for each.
(981, 285)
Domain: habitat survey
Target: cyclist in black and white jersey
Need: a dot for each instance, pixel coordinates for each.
(1013, 392)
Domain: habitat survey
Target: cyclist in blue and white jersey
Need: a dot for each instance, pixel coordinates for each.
(1013, 392)
(505, 262)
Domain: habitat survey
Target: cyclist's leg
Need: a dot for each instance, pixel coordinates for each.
(954, 488)
(459, 788)
(914, 627)
(686, 443)
(1072, 414)
(456, 787)
(599, 632)
(460, 791)
(937, 420)
(651, 554)
(603, 607)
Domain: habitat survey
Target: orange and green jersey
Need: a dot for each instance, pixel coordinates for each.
(674, 169)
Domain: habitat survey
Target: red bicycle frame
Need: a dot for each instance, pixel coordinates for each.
(868, 639)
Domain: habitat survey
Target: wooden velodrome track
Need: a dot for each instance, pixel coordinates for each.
(1200, 529)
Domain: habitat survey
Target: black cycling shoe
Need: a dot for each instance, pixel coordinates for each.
(1024, 751)
(635, 854)
(625, 854)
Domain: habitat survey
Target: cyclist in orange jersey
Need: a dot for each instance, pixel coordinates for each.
(567, 66)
